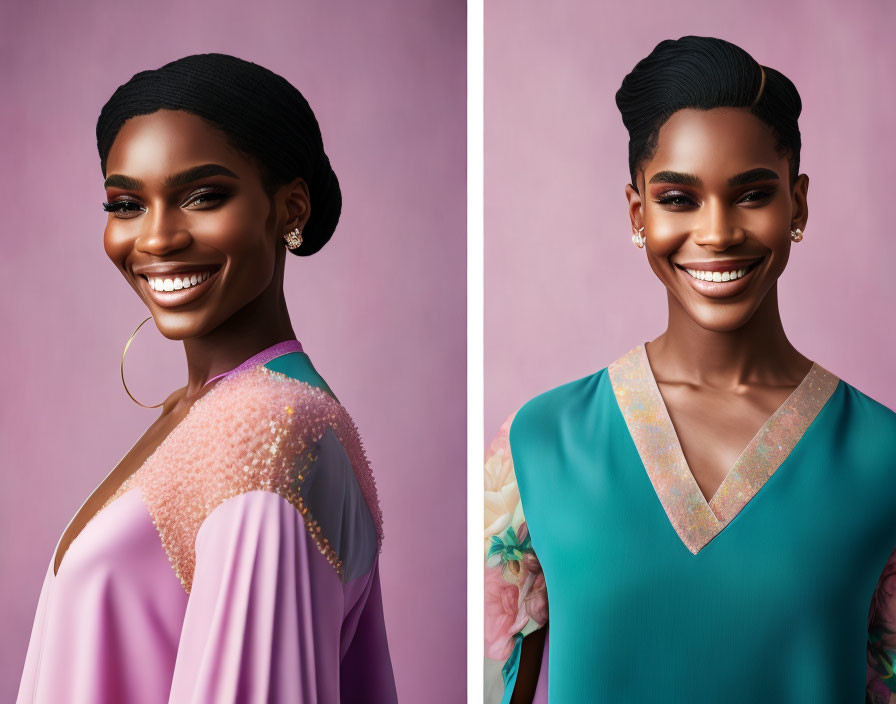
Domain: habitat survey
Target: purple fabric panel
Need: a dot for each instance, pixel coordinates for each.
(367, 665)
(334, 497)
(541, 689)
(266, 611)
(263, 357)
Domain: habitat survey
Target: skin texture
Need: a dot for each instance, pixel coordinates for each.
(723, 365)
(530, 664)
(241, 312)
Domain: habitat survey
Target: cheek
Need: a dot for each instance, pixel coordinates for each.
(659, 264)
(237, 230)
(117, 243)
(770, 225)
(666, 235)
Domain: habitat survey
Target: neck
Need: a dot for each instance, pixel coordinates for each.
(261, 323)
(758, 352)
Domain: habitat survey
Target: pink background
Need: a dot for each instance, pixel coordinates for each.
(380, 310)
(567, 292)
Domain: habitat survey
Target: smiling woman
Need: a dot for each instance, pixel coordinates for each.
(233, 553)
(707, 517)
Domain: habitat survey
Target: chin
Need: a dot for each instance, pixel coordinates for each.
(180, 326)
(720, 318)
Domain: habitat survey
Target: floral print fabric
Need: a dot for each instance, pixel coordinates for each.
(515, 594)
(881, 683)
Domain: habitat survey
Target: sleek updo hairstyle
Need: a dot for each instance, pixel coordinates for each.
(705, 73)
(260, 113)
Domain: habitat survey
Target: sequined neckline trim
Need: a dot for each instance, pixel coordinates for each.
(263, 357)
(695, 520)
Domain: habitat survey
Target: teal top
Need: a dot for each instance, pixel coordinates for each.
(775, 590)
(298, 366)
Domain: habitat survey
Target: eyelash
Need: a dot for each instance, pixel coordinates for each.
(119, 206)
(667, 199)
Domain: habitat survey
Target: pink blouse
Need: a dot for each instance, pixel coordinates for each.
(240, 563)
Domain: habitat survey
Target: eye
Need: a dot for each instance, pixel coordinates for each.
(122, 206)
(674, 199)
(207, 196)
(758, 195)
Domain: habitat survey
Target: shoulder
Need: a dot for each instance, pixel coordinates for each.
(284, 407)
(869, 421)
(868, 408)
(264, 429)
(550, 409)
(298, 366)
(269, 413)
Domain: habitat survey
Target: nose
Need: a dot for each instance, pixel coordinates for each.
(162, 231)
(716, 228)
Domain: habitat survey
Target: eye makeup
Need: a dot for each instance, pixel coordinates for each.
(206, 196)
(669, 197)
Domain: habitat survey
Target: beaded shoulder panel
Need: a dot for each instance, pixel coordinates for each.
(257, 429)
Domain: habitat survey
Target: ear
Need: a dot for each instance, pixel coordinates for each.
(296, 202)
(635, 211)
(800, 202)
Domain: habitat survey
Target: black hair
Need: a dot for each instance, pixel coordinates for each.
(705, 73)
(261, 114)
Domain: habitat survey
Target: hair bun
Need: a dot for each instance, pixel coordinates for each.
(326, 206)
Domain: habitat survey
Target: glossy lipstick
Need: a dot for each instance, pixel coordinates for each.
(173, 299)
(720, 289)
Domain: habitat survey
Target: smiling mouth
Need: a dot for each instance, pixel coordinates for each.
(164, 291)
(721, 276)
(182, 280)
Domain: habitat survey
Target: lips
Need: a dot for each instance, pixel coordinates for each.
(721, 289)
(180, 297)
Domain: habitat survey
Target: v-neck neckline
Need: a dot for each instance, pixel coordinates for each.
(259, 358)
(696, 520)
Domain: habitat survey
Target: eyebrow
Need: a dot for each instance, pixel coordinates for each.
(180, 179)
(760, 174)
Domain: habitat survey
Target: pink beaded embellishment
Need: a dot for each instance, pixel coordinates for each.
(255, 430)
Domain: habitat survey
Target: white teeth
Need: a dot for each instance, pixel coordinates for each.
(177, 283)
(717, 276)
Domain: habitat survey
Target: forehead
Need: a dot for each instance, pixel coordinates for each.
(154, 145)
(719, 141)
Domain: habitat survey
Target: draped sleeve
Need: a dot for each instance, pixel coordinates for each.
(265, 610)
(515, 593)
(881, 687)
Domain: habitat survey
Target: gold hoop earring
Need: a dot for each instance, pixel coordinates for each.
(796, 235)
(638, 238)
(122, 368)
(293, 239)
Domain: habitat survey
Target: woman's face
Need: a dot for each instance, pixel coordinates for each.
(187, 206)
(716, 197)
